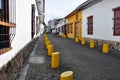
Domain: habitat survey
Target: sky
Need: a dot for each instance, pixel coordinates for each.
(60, 8)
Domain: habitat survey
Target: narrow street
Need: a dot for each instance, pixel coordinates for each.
(86, 63)
(83, 37)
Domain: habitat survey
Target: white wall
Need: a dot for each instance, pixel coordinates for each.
(23, 29)
(12, 11)
(102, 20)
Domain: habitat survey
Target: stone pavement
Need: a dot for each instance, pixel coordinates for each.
(86, 63)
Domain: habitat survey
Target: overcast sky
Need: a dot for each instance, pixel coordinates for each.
(60, 8)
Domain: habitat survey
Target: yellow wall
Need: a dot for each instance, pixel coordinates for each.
(80, 21)
(72, 19)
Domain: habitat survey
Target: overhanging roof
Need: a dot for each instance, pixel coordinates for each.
(83, 6)
(70, 14)
(87, 4)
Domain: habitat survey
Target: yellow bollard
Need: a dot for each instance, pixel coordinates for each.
(55, 60)
(47, 43)
(92, 44)
(67, 75)
(50, 50)
(83, 41)
(105, 48)
(76, 40)
(45, 36)
(64, 36)
(46, 39)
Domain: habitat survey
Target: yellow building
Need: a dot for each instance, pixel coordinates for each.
(74, 27)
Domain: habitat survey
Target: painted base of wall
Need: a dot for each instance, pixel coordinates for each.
(10, 70)
(112, 44)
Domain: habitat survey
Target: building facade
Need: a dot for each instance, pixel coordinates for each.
(97, 20)
(74, 27)
(101, 22)
(61, 26)
(18, 26)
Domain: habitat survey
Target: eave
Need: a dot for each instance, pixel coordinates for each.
(70, 14)
(87, 4)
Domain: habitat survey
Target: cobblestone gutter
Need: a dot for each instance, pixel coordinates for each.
(10, 70)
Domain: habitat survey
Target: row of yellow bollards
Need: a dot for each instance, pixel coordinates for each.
(55, 62)
(50, 48)
(105, 47)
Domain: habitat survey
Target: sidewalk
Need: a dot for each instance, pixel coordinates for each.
(86, 63)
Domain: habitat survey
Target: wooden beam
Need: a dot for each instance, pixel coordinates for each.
(8, 24)
(2, 51)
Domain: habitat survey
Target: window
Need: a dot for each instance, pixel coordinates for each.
(116, 21)
(90, 25)
(7, 24)
(33, 21)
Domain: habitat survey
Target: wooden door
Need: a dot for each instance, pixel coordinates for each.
(77, 29)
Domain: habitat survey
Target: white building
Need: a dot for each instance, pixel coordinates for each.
(22, 20)
(61, 26)
(101, 21)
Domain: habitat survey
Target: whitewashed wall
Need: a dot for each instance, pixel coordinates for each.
(12, 11)
(102, 20)
(23, 29)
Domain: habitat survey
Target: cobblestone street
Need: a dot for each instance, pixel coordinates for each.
(86, 63)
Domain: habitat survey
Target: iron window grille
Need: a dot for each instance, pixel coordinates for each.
(7, 24)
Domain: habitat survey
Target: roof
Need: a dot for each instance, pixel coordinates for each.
(70, 14)
(83, 6)
(87, 4)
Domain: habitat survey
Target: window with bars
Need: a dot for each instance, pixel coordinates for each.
(7, 24)
(116, 21)
(90, 25)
